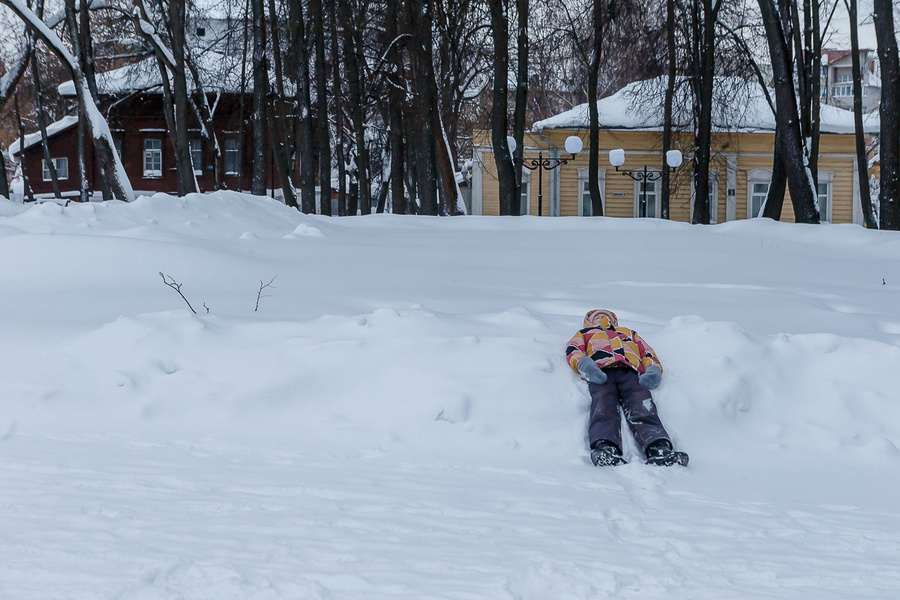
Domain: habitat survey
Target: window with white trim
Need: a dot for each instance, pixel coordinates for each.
(197, 155)
(842, 90)
(152, 157)
(758, 182)
(586, 208)
(60, 165)
(824, 194)
(231, 156)
(646, 195)
(525, 197)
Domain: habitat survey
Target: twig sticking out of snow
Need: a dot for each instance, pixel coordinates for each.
(259, 294)
(169, 281)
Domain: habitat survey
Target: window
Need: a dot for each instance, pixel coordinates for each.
(823, 195)
(524, 204)
(646, 195)
(232, 156)
(61, 165)
(758, 182)
(152, 157)
(197, 156)
(842, 90)
(758, 198)
(201, 32)
(586, 209)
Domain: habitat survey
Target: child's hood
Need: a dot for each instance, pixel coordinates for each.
(600, 317)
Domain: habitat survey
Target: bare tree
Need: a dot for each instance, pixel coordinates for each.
(865, 199)
(793, 150)
(156, 28)
(506, 170)
(597, 21)
(107, 157)
(889, 195)
(323, 128)
(299, 66)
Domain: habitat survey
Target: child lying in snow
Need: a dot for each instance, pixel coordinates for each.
(620, 369)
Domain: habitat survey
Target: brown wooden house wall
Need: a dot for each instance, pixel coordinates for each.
(134, 119)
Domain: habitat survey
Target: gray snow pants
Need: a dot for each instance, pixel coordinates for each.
(622, 389)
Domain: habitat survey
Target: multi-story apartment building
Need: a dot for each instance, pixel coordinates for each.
(837, 79)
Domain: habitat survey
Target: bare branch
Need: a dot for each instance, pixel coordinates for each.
(259, 294)
(169, 281)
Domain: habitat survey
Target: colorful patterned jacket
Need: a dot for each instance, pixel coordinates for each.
(608, 344)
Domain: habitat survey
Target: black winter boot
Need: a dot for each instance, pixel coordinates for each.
(660, 453)
(606, 454)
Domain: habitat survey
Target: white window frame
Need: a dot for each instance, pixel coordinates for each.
(583, 177)
(713, 197)
(757, 176)
(657, 212)
(826, 178)
(196, 146)
(60, 164)
(152, 157)
(525, 196)
(231, 148)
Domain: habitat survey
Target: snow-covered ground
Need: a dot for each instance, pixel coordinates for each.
(397, 419)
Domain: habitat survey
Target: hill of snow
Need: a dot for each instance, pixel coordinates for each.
(397, 419)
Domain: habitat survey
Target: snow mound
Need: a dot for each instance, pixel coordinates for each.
(393, 415)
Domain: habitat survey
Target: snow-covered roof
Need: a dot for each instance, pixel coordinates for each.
(218, 73)
(740, 107)
(33, 139)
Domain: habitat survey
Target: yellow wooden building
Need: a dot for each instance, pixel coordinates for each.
(740, 170)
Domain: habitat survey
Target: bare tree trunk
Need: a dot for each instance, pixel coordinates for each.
(862, 161)
(425, 101)
(593, 115)
(452, 202)
(353, 49)
(4, 178)
(187, 181)
(279, 131)
(506, 171)
(39, 107)
(665, 181)
(300, 67)
(323, 128)
(889, 198)
(25, 183)
(84, 186)
(814, 81)
(337, 93)
(794, 151)
(778, 185)
(205, 115)
(706, 15)
(521, 94)
(399, 202)
(260, 89)
(86, 60)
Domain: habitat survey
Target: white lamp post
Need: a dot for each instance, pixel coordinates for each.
(573, 146)
(617, 159)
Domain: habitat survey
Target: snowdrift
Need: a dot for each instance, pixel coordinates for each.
(394, 416)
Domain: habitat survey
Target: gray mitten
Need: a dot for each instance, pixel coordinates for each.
(650, 378)
(590, 371)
